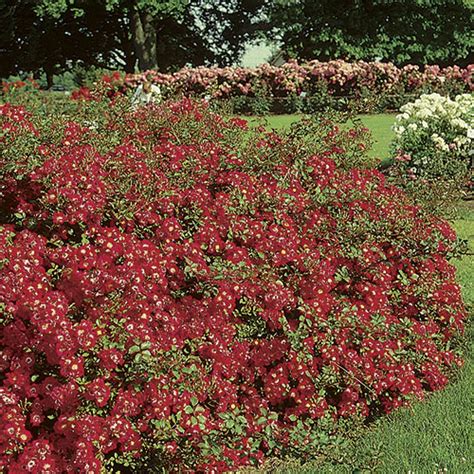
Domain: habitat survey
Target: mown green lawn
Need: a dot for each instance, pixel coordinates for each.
(436, 435)
(380, 126)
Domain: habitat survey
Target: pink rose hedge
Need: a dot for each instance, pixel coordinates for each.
(180, 293)
(341, 78)
(306, 87)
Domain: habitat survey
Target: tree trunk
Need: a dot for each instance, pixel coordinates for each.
(129, 51)
(144, 39)
(49, 71)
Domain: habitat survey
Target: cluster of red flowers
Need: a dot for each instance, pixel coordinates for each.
(27, 84)
(109, 85)
(178, 291)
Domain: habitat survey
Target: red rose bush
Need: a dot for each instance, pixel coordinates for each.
(179, 292)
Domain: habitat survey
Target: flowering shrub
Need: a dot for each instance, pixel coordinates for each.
(342, 78)
(434, 124)
(28, 85)
(317, 84)
(434, 141)
(180, 293)
(307, 87)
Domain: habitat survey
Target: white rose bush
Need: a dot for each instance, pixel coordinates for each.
(433, 148)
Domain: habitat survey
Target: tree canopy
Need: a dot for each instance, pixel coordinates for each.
(52, 35)
(30, 42)
(401, 31)
(148, 34)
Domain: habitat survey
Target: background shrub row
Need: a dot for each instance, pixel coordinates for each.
(313, 85)
(291, 88)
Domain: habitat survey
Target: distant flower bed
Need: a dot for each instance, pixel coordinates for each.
(291, 88)
(434, 143)
(180, 293)
(438, 124)
(312, 84)
(342, 78)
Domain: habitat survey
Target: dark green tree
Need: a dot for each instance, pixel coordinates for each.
(169, 33)
(32, 43)
(401, 31)
(139, 16)
(54, 35)
(209, 32)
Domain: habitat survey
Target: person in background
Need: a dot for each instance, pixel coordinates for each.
(146, 93)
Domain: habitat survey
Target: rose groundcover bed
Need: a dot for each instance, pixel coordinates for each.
(179, 292)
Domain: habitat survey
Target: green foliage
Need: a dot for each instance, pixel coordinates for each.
(25, 37)
(402, 31)
(432, 150)
(100, 34)
(57, 8)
